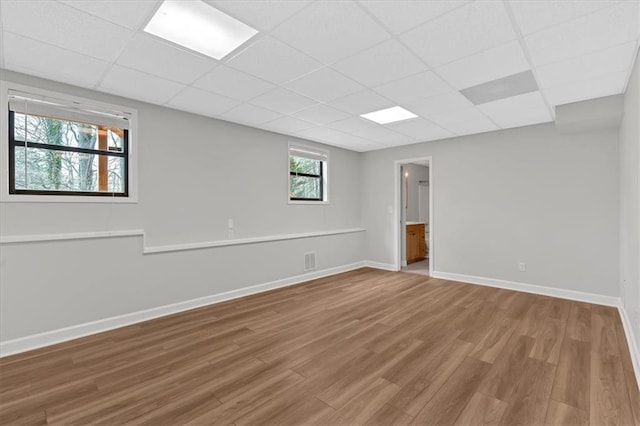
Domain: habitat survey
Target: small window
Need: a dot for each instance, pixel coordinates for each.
(59, 147)
(307, 175)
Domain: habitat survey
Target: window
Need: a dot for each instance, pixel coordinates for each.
(61, 147)
(307, 175)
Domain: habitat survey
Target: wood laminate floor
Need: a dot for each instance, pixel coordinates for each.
(364, 347)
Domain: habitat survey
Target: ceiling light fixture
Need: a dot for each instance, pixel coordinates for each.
(199, 26)
(389, 115)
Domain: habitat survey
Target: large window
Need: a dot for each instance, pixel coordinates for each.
(59, 147)
(307, 174)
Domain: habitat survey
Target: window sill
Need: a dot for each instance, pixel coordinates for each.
(16, 198)
(311, 203)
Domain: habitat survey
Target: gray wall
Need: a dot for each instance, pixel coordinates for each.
(630, 203)
(529, 194)
(194, 174)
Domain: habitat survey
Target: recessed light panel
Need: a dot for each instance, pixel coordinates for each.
(199, 27)
(389, 115)
(506, 87)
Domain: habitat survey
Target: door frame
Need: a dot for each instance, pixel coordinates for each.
(398, 225)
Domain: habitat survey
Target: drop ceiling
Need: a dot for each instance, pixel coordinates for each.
(315, 66)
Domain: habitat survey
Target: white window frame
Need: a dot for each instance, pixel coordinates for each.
(132, 161)
(325, 174)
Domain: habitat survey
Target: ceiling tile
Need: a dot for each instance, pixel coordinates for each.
(609, 84)
(607, 27)
(491, 64)
(44, 60)
(521, 110)
(414, 87)
(288, 125)
(353, 143)
(360, 127)
(321, 134)
(151, 55)
(202, 102)
(383, 63)
(130, 14)
(321, 114)
(473, 127)
(324, 85)
(354, 125)
(261, 15)
(137, 85)
(420, 129)
(66, 27)
(283, 101)
(330, 31)
(607, 61)
(535, 15)
(437, 104)
(464, 121)
(233, 83)
(391, 138)
(361, 102)
(462, 32)
(401, 16)
(250, 114)
(273, 61)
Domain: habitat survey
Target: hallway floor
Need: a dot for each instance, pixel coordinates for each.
(421, 267)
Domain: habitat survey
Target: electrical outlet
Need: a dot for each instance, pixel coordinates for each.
(230, 228)
(522, 267)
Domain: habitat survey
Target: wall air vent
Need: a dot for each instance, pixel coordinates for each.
(310, 261)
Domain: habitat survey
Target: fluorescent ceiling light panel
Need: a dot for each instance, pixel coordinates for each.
(389, 115)
(199, 27)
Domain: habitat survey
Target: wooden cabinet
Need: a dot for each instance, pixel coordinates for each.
(416, 244)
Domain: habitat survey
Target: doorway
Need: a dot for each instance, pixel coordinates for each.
(414, 224)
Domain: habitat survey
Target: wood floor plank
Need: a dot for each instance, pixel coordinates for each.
(609, 398)
(629, 372)
(364, 405)
(529, 401)
(503, 378)
(548, 341)
(496, 335)
(579, 322)
(352, 382)
(420, 389)
(388, 415)
(563, 414)
(451, 399)
(482, 410)
(573, 376)
(364, 347)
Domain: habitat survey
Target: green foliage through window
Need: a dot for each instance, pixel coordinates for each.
(58, 156)
(305, 179)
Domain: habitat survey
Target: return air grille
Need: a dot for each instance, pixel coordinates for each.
(309, 261)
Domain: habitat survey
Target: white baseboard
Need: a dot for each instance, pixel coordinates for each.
(379, 265)
(52, 337)
(634, 350)
(531, 288)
